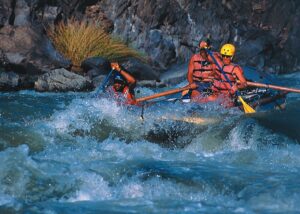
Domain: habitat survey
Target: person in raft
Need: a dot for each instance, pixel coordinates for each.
(123, 85)
(201, 70)
(222, 89)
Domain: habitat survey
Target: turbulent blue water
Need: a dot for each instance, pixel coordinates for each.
(69, 153)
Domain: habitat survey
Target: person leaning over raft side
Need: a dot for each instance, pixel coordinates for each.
(123, 85)
(221, 87)
(199, 69)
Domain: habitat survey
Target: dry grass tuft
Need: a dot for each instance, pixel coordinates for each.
(78, 40)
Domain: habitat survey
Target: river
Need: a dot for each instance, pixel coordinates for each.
(70, 153)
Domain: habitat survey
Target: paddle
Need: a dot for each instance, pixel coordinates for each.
(263, 85)
(102, 86)
(247, 108)
(275, 87)
(166, 93)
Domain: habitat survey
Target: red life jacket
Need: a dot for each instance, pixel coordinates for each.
(221, 84)
(127, 96)
(200, 65)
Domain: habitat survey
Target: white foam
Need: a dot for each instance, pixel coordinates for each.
(92, 188)
(132, 190)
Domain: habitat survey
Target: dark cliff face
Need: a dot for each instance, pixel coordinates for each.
(265, 32)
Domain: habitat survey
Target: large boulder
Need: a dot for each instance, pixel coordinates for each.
(140, 70)
(61, 80)
(28, 50)
(9, 81)
(97, 63)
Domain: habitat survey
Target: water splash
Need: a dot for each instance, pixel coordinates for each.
(97, 156)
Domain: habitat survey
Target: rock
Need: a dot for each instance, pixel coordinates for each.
(95, 14)
(151, 84)
(60, 80)
(9, 81)
(52, 55)
(98, 80)
(93, 73)
(22, 13)
(164, 54)
(26, 50)
(169, 30)
(18, 39)
(175, 74)
(27, 81)
(49, 14)
(140, 70)
(3, 59)
(253, 51)
(5, 12)
(99, 63)
(15, 58)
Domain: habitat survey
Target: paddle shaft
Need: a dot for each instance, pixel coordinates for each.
(280, 88)
(101, 87)
(166, 93)
(263, 85)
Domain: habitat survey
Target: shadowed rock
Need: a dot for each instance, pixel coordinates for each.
(165, 27)
(97, 63)
(62, 80)
(140, 70)
(28, 50)
(5, 12)
(9, 81)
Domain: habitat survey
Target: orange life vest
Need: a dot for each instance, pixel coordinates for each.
(220, 84)
(126, 95)
(200, 65)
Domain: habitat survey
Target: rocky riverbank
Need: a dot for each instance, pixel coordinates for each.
(167, 31)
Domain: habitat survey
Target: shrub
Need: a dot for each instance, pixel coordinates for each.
(78, 40)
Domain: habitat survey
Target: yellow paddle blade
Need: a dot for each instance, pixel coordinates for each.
(248, 109)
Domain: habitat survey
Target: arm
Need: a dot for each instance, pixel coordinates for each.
(190, 71)
(238, 71)
(129, 78)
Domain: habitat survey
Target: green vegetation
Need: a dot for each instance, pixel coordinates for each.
(78, 40)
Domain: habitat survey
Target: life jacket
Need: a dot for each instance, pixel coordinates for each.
(200, 65)
(126, 95)
(221, 84)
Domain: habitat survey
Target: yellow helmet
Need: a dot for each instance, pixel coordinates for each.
(228, 50)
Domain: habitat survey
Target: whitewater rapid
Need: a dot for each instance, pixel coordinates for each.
(66, 153)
